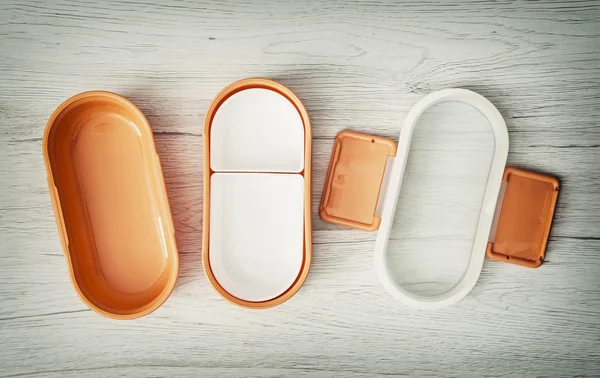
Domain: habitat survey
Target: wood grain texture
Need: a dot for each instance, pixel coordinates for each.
(356, 65)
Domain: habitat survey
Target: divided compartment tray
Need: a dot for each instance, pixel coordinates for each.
(257, 193)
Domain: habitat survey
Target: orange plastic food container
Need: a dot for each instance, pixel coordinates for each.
(110, 204)
(257, 192)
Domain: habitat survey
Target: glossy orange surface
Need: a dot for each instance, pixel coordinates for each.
(111, 205)
(525, 218)
(354, 180)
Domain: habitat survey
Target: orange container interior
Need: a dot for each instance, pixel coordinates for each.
(111, 206)
(354, 180)
(525, 218)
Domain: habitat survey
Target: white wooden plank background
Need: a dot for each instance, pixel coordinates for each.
(357, 65)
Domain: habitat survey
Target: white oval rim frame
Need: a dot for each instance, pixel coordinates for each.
(488, 207)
